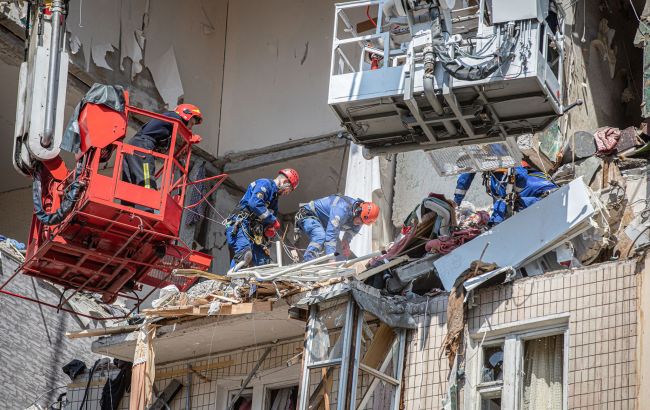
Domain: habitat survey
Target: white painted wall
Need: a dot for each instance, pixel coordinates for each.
(277, 73)
(276, 62)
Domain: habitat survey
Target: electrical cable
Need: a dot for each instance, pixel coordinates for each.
(374, 23)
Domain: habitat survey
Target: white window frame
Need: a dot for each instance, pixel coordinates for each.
(512, 336)
(283, 376)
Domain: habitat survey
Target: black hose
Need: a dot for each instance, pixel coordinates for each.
(83, 403)
(463, 71)
(69, 198)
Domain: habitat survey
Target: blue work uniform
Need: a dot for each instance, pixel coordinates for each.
(323, 220)
(258, 206)
(140, 168)
(530, 186)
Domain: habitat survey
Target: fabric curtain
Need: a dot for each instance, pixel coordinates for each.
(144, 369)
(543, 373)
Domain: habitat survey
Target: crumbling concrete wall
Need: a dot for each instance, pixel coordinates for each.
(602, 65)
(33, 346)
(600, 303)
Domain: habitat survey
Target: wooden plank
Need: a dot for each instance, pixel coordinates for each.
(379, 374)
(379, 346)
(102, 331)
(226, 310)
(365, 275)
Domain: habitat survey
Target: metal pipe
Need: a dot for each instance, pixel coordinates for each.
(278, 252)
(429, 91)
(53, 72)
(284, 271)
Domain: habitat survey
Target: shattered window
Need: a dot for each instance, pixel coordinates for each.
(282, 399)
(493, 403)
(492, 364)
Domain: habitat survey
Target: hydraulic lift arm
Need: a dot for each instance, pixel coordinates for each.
(41, 88)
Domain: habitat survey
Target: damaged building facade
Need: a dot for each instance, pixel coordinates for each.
(549, 311)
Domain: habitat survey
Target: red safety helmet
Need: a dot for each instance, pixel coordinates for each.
(368, 212)
(292, 176)
(189, 111)
(525, 164)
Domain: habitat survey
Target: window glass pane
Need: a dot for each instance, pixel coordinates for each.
(543, 373)
(283, 399)
(492, 364)
(491, 403)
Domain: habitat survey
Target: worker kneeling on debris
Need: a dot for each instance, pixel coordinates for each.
(253, 222)
(323, 219)
(529, 186)
(140, 168)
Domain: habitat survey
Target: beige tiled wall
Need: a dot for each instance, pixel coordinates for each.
(602, 305)
(204, 391)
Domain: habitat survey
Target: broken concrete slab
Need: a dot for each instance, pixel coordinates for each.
(527, 235)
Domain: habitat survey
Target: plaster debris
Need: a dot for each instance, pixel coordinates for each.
(99, 55)
(164, 70)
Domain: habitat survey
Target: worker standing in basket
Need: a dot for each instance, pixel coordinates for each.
(529, 186)
(140, 168)
(254, 221)
(323, 219)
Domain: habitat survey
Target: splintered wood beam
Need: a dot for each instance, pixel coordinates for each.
(226, 310)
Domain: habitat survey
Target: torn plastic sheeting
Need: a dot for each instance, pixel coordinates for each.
(395, 311)
(529, 234)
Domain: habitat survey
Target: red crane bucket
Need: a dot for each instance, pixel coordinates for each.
(118, 235)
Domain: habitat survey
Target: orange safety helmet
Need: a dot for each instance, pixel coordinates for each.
(368, 212)
(525, 164)
(292, 176)
(189, 111)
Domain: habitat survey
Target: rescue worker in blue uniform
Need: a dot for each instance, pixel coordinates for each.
(323, 219)
(530, 185)
(140, 168)
(254, 221)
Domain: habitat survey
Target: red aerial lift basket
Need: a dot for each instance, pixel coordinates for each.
(118, 235)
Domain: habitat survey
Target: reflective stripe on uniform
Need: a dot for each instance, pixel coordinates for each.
(460, 192)
(330, 243)
(315, 245)
(147, 176)
(265, 214)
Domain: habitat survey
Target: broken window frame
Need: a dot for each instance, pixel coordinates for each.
(269, 388)
(513, 337)
(350, 369)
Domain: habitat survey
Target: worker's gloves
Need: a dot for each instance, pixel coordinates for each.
(345, 249)
(272, 229)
